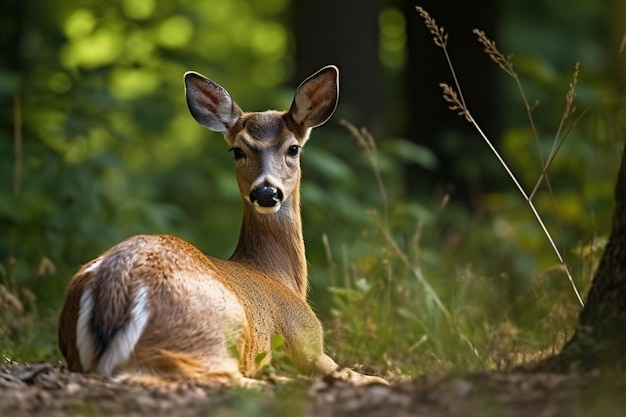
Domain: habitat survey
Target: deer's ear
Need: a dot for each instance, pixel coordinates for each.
(316, 98)
(209, 103)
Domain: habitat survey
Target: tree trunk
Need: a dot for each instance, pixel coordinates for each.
(600, 338)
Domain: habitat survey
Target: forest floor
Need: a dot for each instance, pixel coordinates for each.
(48, 390)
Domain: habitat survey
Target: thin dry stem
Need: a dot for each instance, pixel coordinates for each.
(17, 182)
(332, 266)
(533, 209)
(17, 145)
(367, 142)
(571, 93)
(504, 61)
(558, 138)
(623, 44)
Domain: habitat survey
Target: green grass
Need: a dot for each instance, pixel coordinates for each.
(25, 334)
(410, 299)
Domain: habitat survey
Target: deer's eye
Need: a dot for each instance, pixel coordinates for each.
(238, 153)
(293, 150)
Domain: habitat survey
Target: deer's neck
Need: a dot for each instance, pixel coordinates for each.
(273, 243)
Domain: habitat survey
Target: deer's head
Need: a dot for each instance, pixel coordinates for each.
(266, 145)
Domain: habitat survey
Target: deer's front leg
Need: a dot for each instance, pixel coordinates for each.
(305, 348)
(327, 366)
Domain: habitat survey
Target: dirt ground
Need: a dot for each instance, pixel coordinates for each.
(48, 390)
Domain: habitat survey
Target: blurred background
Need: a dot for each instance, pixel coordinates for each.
(96, 144)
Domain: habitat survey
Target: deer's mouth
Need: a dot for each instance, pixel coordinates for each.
(266, 210)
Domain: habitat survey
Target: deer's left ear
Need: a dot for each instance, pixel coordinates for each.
(316, 98)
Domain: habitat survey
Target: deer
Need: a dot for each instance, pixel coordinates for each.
(154, 309)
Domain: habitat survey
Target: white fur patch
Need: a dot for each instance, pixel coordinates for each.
(124, 342)
(267, 210)
(94, 265)
(84, 339)
(265, 180)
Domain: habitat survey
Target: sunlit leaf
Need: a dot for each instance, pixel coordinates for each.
(175, 32)
(138, 9)
(131, 83)
(80, 23)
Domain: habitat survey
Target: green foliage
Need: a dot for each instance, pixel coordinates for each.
(434, 288)
(96, 144)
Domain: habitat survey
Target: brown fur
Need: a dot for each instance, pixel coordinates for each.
(206, 319)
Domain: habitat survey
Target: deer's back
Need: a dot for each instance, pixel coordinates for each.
(210, 309)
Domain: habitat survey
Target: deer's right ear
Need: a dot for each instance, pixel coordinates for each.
(209, 103)
(316, 98)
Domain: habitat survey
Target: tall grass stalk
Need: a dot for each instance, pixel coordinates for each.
(366, 141)
(457, 103)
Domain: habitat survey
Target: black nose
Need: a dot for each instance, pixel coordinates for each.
(266, 196)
